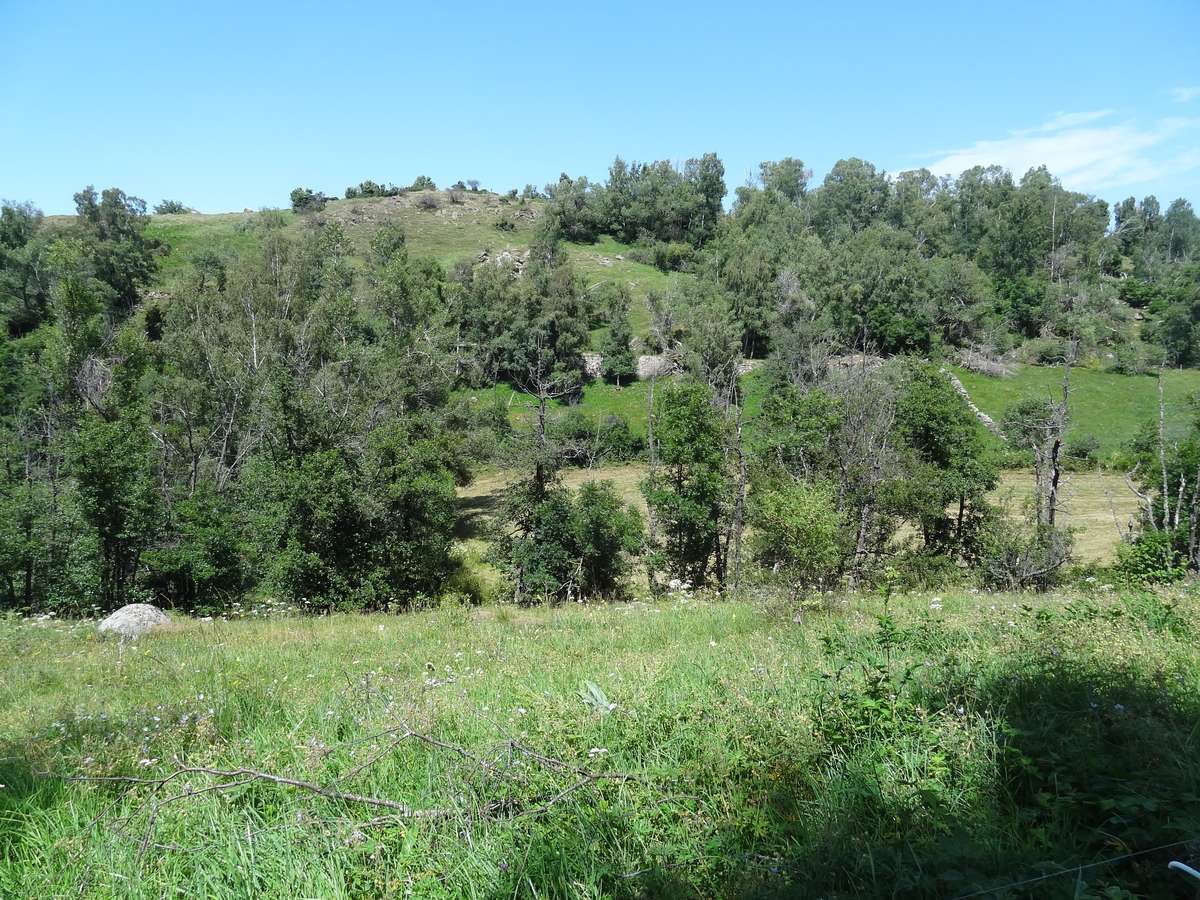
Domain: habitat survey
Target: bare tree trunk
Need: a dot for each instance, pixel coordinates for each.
(1162, 454)
(739, 505)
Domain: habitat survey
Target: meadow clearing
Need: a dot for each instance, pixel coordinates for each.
(926, 745)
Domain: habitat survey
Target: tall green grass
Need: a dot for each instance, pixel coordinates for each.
(923, 748)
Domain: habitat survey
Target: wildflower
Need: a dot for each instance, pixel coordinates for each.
(597, 751)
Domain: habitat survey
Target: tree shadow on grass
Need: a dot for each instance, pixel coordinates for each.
(1088, 763)
(1066, 763)
(475, 514)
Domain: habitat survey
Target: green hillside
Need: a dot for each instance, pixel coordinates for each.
(1110, 407)
(450, 233)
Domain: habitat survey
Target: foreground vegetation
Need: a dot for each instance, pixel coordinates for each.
(922, 746)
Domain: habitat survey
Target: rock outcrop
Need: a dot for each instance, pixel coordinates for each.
(134, 620)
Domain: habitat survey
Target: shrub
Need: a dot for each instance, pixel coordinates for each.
(371, 189)
(1019, 554)
(427, 202)
(1137, 358)
(668, 256)
(925, 569)
(455, 196)
(1152, 558)
(1081, 450)
(588, 441)
(799, 531)
(170, 208)
(1047, 351)
(568, 547)
(422, 183)
(305, 200)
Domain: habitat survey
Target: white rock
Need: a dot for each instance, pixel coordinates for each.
(134, 620)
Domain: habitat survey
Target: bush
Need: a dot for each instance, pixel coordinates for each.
(305, 200)
(427, 202)
(1016, 555)
(422, 183)
(455, 196)
(924, 569)
(567, 547)
(1137, 358)
(588, 441)
(1152, 558)
(1081, 450)
(371, 189)
(668, 256)
(170, 208)
(1046, 351)
(799, 532)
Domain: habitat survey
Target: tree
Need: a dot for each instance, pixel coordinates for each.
(564, 547)
(692, 491)
(787, 177)
(853, 195)
(800, 532)
(880, 293)
(111, 463)
(25, 270)
(170, 208)
(112, 228)
(620, 364)
(305, 200)
(950, 472)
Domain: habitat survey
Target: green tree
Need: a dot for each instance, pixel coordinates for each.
(562, 546)
(307, 200)
(800, 532)
(112, 227)
(112, 465)
(691, 493)
(620, 364)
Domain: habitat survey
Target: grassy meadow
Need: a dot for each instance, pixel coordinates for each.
(929, 746)
(1109, 407)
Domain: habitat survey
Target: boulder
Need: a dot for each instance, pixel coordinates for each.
(134, 620)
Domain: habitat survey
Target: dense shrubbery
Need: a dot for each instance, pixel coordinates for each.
(306, 200)
(371, 189)
(267, 428)
(568, 545)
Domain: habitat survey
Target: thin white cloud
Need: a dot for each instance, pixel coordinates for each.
(1185, 94)
(1066, 120)
(1086, 154)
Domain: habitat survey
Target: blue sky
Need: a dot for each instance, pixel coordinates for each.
(230, 105)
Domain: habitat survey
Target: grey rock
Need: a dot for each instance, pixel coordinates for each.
(134, 620)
